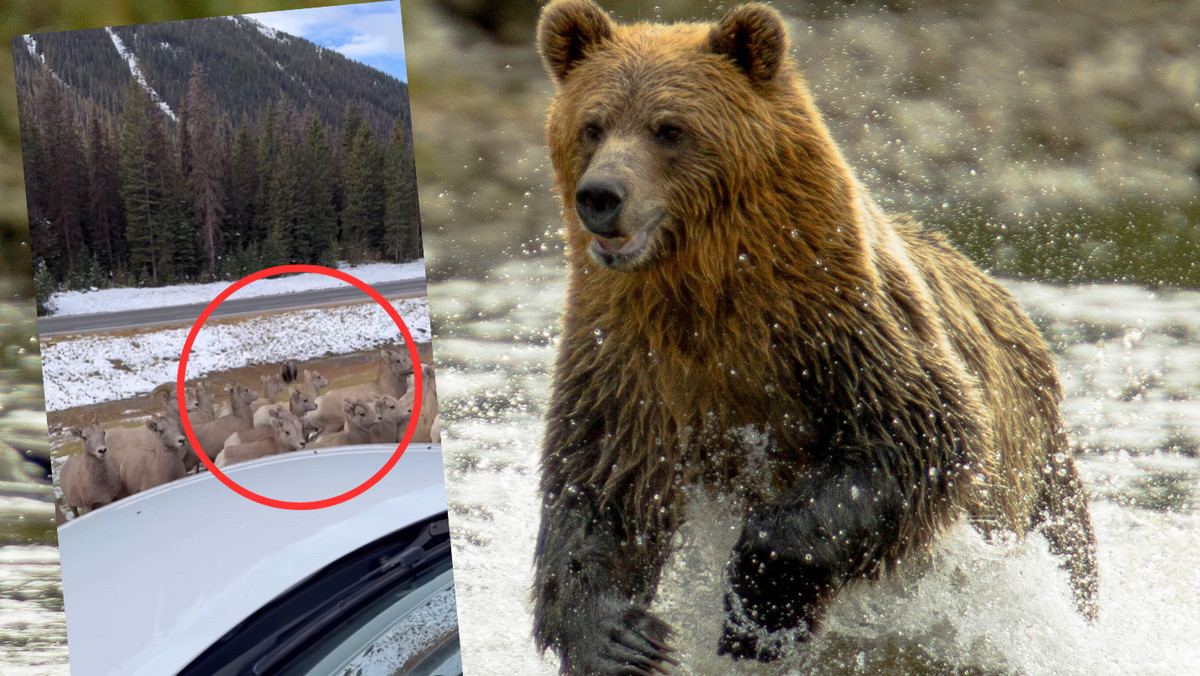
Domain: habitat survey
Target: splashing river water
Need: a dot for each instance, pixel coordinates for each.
(1129, 360)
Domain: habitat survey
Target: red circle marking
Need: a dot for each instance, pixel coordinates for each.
(187, 423)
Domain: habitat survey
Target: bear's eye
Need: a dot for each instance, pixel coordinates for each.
(592, 132)
(668, 133)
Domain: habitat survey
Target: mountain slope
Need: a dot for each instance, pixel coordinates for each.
(248, 64)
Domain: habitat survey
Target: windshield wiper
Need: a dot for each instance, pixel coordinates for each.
(281, 631)
(391, 569)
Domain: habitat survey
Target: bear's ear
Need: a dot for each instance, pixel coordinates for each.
(754, 37)
(567, 30)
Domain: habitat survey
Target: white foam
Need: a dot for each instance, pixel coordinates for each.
(970, 607)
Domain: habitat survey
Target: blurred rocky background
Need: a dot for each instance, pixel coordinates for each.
(1056, 141)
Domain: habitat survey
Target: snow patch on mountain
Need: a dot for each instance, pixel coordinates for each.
(137, 72)
(263, 28)
(31, 45)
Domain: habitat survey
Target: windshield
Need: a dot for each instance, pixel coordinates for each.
(389, 605)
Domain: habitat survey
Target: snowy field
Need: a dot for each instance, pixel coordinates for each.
(117, 300)
(1130, 364)
(89, 369)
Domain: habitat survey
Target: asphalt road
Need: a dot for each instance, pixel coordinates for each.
(187, 314)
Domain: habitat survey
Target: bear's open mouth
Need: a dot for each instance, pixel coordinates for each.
(624, 244)
(626, 250)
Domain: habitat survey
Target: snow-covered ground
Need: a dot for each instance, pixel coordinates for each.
(1130, 364)
(117, 300)
(88, 369)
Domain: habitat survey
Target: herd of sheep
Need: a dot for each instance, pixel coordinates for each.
(295, 410)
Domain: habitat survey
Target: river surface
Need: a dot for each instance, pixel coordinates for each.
(1130, 364)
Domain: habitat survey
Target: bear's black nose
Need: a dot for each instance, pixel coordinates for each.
(598, 203)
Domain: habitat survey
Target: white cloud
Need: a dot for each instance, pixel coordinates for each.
(357, 31)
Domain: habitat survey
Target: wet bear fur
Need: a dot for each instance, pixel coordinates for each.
(729, 273)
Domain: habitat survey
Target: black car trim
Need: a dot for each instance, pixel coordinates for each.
(281, 631)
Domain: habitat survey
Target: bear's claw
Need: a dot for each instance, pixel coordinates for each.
(635, 644)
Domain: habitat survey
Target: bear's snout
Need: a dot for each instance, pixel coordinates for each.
(598, 202)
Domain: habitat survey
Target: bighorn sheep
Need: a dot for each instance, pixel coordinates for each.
(309, 382)
(429, 409)
(273, 386)
(165, 398)
(87, 479)
(359, 415)
(257, 433)
(390, 380)
(312, 382)
(287, 435)
(212, 435)
(150, 456)
(298, 404)
(205, 410)
(435, 430)
(394, 415)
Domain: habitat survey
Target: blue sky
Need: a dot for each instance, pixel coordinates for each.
(369, 33)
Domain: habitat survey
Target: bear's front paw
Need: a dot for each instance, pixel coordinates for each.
(745, 641)
(749, 634)
(774, 597)
(625, 639)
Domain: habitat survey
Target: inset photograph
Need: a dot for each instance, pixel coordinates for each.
(165, 162)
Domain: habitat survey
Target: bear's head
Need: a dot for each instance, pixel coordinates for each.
(665, 137)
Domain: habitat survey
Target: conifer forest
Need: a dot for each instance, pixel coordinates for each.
(205, 150)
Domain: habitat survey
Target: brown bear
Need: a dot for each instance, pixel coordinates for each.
(728, 270)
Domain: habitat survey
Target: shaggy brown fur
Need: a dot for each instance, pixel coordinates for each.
(747, 282)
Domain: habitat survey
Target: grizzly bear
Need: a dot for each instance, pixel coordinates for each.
(728, 272)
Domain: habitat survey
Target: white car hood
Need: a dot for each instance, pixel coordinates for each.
(152, 581)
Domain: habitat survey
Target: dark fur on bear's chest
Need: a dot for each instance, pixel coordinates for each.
(713, 407)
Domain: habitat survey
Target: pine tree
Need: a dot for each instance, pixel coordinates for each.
(351, 122)
(362, 219)
(65, 172)
(402, 234)
(274, 249)
(317, 223)
(140, 189)
(244, 182)
(284, 198)
(42, 241)
(207, 173)
(268, 159)
(180, 256)
(44, 287)
(106, 212)
(185, 139)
